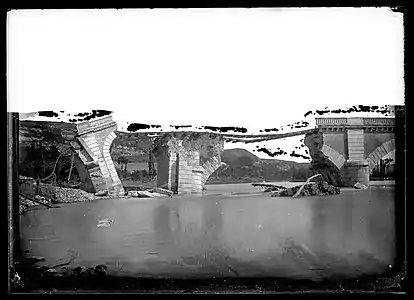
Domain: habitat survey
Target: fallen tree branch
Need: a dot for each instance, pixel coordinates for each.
(268, 185)
(303, 185)
(54, 167)
(71, 165)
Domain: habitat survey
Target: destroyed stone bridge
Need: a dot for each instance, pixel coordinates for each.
(185, 160)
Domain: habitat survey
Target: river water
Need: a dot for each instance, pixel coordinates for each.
(231, 231)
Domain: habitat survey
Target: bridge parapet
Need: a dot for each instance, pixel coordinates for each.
(379, 121)
(331, 121)
(348, 122)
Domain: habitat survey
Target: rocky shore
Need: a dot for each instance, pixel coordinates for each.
(50, 195)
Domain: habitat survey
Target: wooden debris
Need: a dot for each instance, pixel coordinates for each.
(303, 185)
(162, 191)
(268, 185)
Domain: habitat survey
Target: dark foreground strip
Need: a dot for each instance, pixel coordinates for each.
(32, 279)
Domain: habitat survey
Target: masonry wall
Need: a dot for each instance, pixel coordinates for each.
(189, 180)
(353, 173)
(336, 141)
(87, 183)
(184, 175)
(172, 171)
(163, 161)
(356, 150)
(374, 140)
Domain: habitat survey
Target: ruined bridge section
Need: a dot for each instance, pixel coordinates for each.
(186, 160)
(96, 138)
(355, 145)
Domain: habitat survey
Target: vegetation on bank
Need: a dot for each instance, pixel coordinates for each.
(48, 164)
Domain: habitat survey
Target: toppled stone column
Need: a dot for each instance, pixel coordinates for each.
(96, 138)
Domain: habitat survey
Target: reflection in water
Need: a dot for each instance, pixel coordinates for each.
(347, 211)
(192, 235)
(213, 218)
(162, 225)
(375, 229)
(318, 228)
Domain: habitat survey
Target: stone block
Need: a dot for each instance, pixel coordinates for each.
(388, 147)
(382, 151)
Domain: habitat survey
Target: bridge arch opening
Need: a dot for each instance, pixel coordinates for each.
(380, 152)
(133, 159)
(210, 167)
(381, 161)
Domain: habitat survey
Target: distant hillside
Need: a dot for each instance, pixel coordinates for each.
(243, 166)
(239, 157)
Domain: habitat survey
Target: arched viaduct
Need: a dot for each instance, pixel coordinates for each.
(186, 160)
(355, 145)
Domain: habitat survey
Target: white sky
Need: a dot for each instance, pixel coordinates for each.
(254, 68)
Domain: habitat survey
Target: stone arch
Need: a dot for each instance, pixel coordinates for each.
(334, 156)
(379, 153)
(109, 162)
(211, 165)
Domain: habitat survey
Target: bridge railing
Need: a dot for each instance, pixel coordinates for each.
(331, 121)
(379, 121)
(355, 121)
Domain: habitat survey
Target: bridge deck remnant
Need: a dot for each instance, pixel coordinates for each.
(355, 145)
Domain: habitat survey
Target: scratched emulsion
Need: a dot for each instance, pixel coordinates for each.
(180, 126)
(346, 235)
(225, 129)
(48, 113)
(138, 126)
(135, 127)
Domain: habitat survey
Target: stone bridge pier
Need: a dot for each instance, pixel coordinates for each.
(186, 160)
(94, 162)
(356, 145)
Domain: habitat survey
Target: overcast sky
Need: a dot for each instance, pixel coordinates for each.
(254, 68)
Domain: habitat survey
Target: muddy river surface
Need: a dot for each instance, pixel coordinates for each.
(231, 231)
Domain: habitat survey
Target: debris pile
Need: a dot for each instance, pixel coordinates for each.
(47, 194)
(26, 204)
(311, 189)
(67, 195)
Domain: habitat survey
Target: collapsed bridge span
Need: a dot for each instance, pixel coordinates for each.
(348, 147)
